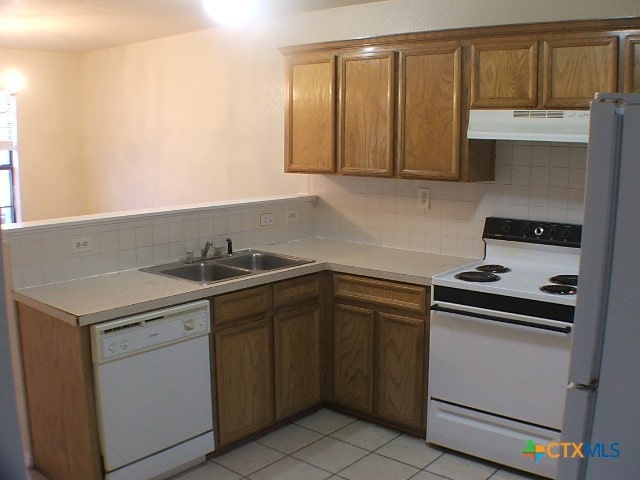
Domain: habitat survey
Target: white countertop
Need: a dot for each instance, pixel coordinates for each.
(95, 299)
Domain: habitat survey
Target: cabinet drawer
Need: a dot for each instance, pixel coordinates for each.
(381, 292)
(296, 290)
(242, 304)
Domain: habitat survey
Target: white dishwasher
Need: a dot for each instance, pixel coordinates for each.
(153, 391)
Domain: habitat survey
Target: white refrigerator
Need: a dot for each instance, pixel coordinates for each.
(602, 407)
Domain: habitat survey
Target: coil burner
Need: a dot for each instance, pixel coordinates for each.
(477, 276)
(559, 289)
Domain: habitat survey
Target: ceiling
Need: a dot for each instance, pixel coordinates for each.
(85, 25)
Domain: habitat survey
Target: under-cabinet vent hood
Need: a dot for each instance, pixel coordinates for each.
(530, 125)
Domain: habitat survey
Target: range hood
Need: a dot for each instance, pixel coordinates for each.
(530, 125)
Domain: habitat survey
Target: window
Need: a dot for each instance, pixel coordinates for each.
(8, 157)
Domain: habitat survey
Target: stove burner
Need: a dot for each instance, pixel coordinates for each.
(559, 289)
(493, 268)
(565, 280)
(477, 277)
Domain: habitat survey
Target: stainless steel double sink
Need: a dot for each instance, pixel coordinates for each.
(211, 270)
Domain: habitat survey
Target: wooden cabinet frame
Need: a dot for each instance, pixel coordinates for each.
(353, 333)
(310, 83)
(503, 53)
(423, 115)
(380, 350)
(297, 359)
(372, 137)
(573, 73)
(631, 49)
(244, 366)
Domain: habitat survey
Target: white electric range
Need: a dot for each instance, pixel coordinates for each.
(500, 340)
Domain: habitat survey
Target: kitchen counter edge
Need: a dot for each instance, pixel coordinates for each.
(90, 300)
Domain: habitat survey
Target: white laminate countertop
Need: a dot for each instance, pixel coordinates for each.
(103, 297)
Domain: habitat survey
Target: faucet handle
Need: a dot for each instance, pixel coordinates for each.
(229, 246)
(205, 250)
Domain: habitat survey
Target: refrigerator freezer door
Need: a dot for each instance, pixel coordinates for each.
(597, 238)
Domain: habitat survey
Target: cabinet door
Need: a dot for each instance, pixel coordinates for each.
(429, 112)
(576, 67)
(310, 113)
(297, 360)
(353, 357)
(504, 73)
(366, 113)
(400, 381)
(632, 64)
(244, 379)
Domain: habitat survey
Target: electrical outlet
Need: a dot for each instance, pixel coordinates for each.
(290, 216)
(79, 245)
(267, 219)
(424, 197)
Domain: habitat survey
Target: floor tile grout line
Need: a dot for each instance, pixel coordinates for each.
(239, 473)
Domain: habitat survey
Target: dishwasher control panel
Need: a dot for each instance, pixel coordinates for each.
(138, 333)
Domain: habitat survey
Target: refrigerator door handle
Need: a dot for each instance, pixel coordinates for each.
(580, 386)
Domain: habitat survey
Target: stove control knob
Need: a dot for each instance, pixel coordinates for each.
(189, 325)
(553, 230)
(506, 226)
(566, 232)
(526, 228)
(538, 231)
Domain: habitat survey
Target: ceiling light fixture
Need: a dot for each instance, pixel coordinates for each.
(227, 12)
(12, 81)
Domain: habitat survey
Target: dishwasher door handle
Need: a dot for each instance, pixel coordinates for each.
(493, 318)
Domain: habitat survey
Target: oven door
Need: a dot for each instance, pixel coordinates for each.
(498, 363)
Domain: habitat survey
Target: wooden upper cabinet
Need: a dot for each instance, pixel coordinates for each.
(632, 64)
(504, 73)
(429, 98)
(576, 67)
(366, 113)
(310, 113)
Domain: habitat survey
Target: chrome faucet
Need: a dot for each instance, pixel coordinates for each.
(205, 250)
(229, 246)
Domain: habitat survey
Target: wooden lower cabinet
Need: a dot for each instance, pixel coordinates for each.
(56, 360)
(297, 360)
(353, 357)
(380, 349)
(401, 360)
(244, 379)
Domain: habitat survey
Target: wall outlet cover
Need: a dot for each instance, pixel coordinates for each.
(424, 197)
(290, 216)
(79, 245)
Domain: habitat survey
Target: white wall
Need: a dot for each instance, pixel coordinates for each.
(187, 119)
(50, 168)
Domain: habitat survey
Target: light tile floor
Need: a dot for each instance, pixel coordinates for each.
(331, 445)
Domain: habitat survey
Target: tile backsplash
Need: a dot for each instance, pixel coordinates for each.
(43, 253)
(538, 181)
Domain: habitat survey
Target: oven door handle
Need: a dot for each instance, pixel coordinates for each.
(523, 323)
